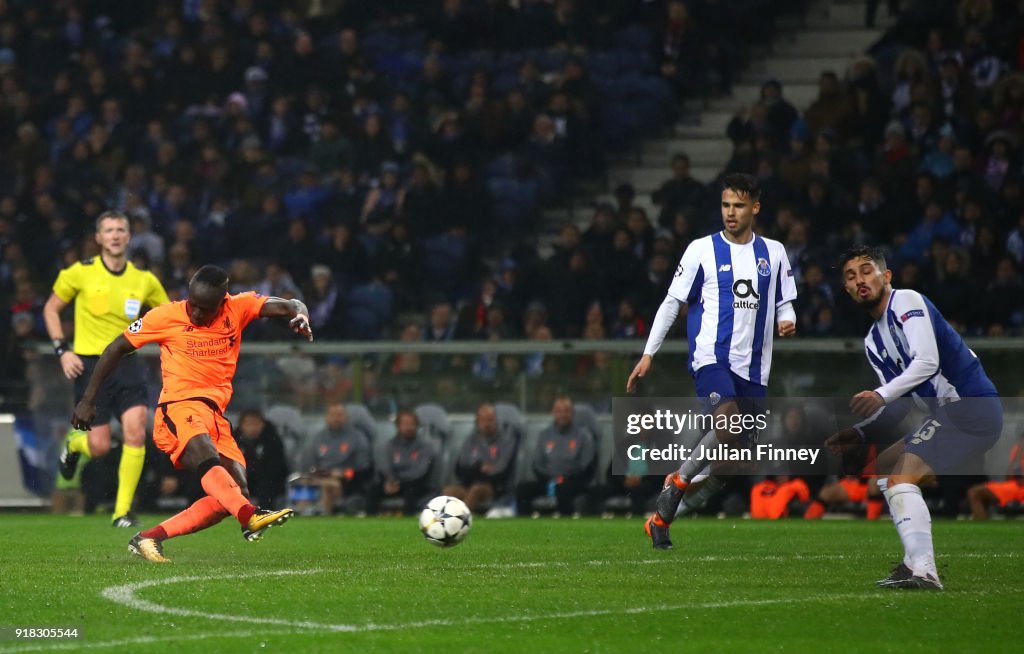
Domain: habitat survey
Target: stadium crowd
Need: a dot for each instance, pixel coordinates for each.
(372, 158)
(389, 161)
(378, 162)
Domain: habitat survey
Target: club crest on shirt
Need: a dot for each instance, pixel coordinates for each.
(763, 267)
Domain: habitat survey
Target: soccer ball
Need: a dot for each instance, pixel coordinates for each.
(445, 521)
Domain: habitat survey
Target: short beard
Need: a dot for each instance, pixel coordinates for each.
(871, 303)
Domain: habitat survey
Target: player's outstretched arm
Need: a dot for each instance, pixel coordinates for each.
(85, 410)
(294, 310)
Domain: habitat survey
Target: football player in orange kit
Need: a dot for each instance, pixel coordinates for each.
(199, 339)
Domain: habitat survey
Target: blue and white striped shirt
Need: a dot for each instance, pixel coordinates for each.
(733, 292)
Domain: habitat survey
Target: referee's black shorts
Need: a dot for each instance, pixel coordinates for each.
(122, 390)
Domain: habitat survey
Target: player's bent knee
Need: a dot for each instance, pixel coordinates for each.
(135, 438)
(99, 447)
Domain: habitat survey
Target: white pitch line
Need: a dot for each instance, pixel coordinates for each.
(77, 645)
(125, 595)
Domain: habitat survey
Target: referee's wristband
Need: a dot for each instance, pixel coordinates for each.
(60, 346)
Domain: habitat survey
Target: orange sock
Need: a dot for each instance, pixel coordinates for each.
(814, 511)
(658, 520)
(874, 509)
(219, 483)
(675, 479)
(206, 512)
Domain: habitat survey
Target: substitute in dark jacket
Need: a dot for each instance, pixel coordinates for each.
(483, 469)
(410, 460)
(339, 460)
(563, 461)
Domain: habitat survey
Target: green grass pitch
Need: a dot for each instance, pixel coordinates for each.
(334, 584)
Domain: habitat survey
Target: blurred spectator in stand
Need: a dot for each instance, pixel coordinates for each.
(628, 321)
(780, 113)
(831, 109)
(954, 293)
(324, 300)
(1004, 300)
(277, 282)
(265, 461)
(681, 193)
(814, 296)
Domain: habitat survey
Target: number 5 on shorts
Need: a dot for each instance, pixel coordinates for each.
(925, 432)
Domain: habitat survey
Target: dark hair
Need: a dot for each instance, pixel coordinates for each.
(251, 413)
(210, 275)
(407, 412)
(112, 214)
(742, 184)
(681, 156)
(862, 252)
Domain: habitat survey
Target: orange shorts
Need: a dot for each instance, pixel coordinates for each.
(856, 490)
(176, 423)
(1006, 491)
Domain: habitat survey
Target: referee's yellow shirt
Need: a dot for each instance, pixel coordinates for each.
(105, 302)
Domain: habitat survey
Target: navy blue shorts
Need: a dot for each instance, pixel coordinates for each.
(717, 384)
(957, 434)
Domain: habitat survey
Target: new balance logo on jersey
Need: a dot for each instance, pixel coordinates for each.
(725, 267)
(743, 289)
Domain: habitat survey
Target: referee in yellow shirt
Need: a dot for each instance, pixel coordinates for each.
(109, 293)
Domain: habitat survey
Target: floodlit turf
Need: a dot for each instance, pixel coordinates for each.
(330, 585)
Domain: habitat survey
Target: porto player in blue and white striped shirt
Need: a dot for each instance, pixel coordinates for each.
(739, 290)
(920, 361)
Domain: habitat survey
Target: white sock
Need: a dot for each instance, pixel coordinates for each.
(694, 500)
(688, 469)
(914, 525)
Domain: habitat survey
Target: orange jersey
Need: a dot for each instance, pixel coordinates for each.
(197, 361)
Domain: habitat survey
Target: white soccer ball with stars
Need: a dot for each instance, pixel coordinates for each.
(445, 521)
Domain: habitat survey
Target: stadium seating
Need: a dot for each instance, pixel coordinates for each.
(292, 428)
